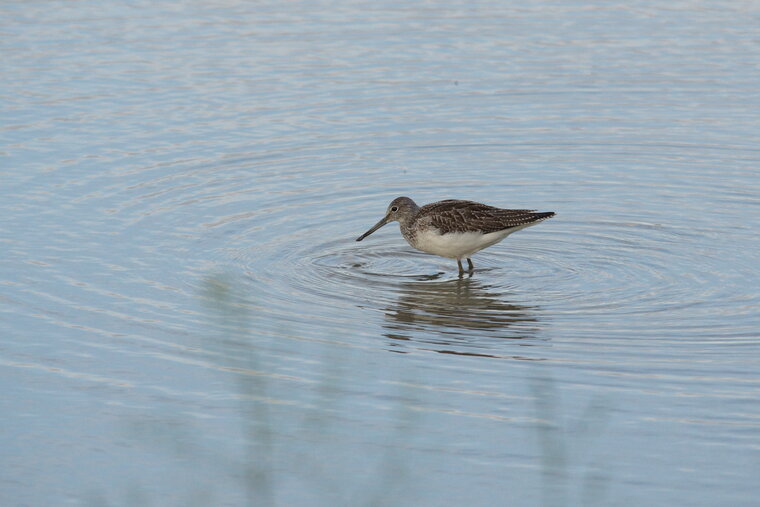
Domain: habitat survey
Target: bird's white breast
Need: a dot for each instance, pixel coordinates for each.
(456, 245)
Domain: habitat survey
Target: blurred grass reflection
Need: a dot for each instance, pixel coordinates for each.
(300, 427)
(570, 473)
(231, 313)
(287, 447)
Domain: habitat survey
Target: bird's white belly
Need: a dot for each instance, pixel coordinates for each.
(456, 245)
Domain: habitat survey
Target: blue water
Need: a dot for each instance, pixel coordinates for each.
(186, 319)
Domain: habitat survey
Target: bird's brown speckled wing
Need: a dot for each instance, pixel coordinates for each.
(468, 216)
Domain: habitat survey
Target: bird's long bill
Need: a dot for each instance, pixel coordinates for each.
(375, 227)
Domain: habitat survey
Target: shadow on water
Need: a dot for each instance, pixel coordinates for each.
(461, 316)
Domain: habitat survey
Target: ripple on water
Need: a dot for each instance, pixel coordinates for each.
(601, 270)
(601, 276)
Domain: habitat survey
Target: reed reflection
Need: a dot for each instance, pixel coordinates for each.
(461, 315)
(290, 419)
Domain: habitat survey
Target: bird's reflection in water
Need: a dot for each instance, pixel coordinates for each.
(461, 316)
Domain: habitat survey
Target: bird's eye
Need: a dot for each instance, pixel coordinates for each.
(395, 208)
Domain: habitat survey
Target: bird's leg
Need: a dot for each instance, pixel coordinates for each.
(461, 270)
(470, 265)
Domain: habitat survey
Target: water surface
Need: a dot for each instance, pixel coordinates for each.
(186, 318)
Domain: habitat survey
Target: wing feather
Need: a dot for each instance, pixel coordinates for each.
(467, 216)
